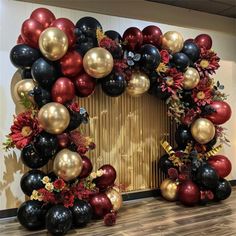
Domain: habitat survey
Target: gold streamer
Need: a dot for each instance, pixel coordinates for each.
(188, 148)
(213, 151)
(100, 35)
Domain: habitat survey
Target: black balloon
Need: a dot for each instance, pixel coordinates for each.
(31, 158)
(52, 176)
(82, 213)
(23, 56)
(58, 220)
(113, 85)
(164, 163)
(41, 96)
(75, 120)
(46, 144)
(84, 44)
(222, 190)
(32, 180)
(113, 35)
(187, 98)
(191, 50)
(182, 136)
(180, 60)
(26, 73)
(211, 144)
(31, 215)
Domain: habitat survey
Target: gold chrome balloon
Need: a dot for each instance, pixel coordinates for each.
(172, 41)
(15, 79)
(115, 198)
(67, 164)
(191, 78)
(138, 84)
(98, 62)
(53, 43)
(203, 130)
(54, 117)
(169, 189)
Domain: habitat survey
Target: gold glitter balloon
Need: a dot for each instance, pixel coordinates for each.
(191, 78)
(169, 189)
(115, 198)
(172, 41)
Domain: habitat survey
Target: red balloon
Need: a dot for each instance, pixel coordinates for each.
(221, 165)
(222, 112)
(84, 85)
(100, 204)
(87, 167)
(71, 64)
(152, 35)
(63, 140)
(203, 41)
(107, 179)
(30, 32)
(63, 90)
(44, 16)
(20, 40)
(188, 193)
(67, 27)
(133, 37)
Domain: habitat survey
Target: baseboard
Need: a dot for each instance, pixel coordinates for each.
(8, 213)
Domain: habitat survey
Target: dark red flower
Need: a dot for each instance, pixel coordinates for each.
(74, 107)
(110, 219)
(68, 198)
(59, 184)
(81, 192)
(202, 97)
(165, 57)
(190, 115)
(172, 173)
(108, 44)
(47, 196)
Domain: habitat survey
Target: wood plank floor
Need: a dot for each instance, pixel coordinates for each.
(154, 216)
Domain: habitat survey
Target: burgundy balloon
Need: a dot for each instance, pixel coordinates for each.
(84, 85)
(221, 164)
(63, 90)
(20, 40)
(87, 167)
(30, 32)
(63, 140)
(203, 41)
(152, 35)
(71, 64)
(100, 204)
(133, 37)
(188, 193)
(222, 112)
(68, 27)
(44, 16)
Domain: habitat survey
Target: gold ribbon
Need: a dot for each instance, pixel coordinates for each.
(213, 151)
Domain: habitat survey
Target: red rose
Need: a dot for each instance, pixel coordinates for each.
(165, 57)
(110, 219)
(59, 184)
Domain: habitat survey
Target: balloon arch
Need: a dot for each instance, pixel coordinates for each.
(67, 60)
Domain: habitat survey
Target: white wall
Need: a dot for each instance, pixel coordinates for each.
(12, 15)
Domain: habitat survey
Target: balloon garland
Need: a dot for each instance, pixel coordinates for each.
(66, 60)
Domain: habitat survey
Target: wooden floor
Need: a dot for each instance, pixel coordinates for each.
(155, 217)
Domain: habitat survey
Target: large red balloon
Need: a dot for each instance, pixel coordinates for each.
(63, 90)
(133, 38)
(87, 167)
(221, 165)
(84, 84)
(189, 193)
(152, 35)
(44, 16)
(222, 112)
(203, 41)
(30, 32)
(71, 64)
(68, 27)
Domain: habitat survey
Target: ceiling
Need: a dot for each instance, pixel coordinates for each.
(219, 7)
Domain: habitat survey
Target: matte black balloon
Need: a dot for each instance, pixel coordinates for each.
(46, 144)
(26, 73)
(75, 121)
(31, 215)
(164, 163)
(44, 72)
(187, 98)
(222, 190)
(41, 96)
(113, 85)
(32, 180)
(58, 220)
(182, 136)
(191, 50)
(113, 35)
(180, 60)
(85, 44)
(82, 213)
(23, 56)
(31, 158)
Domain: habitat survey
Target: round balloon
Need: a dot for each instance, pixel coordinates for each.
(165, 163)
(133, 38)
(115, 198)
(180, 60)
(87, 167)
(172, 41)
(114, 35)
(75, 120)
(63, 140)
(169, 189)
(183, 136)
(222, 190)
(152, 35)
(191, 50)
(191, 78)
(203, 40)
(41, 96)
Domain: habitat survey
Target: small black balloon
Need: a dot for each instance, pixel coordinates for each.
(164, 163)
(75, 120)
(191, 50)
(31, 215)
(31, 158)
(26, 73)
(222, 190)
(23, 56)
(211, 144)
(187, 98)
(82, 213)
(113, 85)
(32, 180)
(41, 96)
(85, 44)
(58, 220)
(114, 35)
(182, 136)
(180, 60)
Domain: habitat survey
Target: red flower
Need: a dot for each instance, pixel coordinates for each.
(67, 198)
(202, 97)
(172, 173)
(74, 107)
(110, 219)
(190, 115)
(59, 184)
(81, 192)
(108, 44)
(47, 196)
(165, 57)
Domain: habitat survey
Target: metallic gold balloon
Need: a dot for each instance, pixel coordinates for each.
(115, 198)
(138, 84)
(98, 62)
(191, 78)
(19, 108)
(67, 164)
(54, 117)
(169, 189)
(203, 130)
(53, 43)
(15, 79)
(172, 41)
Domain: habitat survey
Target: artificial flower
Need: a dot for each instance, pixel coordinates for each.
(74, 106)
(36, 196)
(110, 219)
(46, 180)
(68, 198)
(47, 196)
(49, 187)
(99, 173)
(165, 56)
(59, 184)
(202, 97)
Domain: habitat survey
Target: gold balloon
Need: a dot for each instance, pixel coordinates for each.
(54, 117)
(115, 198)
(172, 41)
(203, 130)
(169, 189)
(19, 108)
(139, 83)
(53, 43)
(15, 79)
(191, 78)
(98, 62)
(67, 164)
